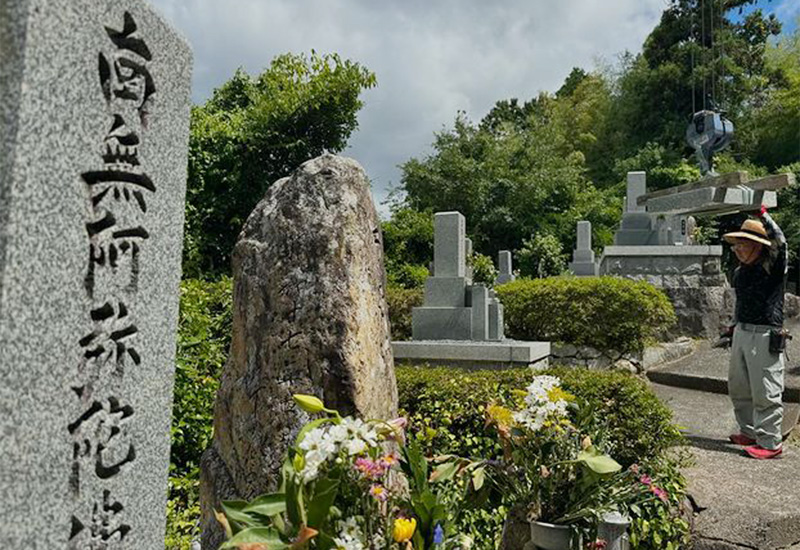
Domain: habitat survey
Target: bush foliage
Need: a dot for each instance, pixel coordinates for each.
(603, 312)
(400, 301)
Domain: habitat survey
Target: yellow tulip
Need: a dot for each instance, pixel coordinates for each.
(404, 529)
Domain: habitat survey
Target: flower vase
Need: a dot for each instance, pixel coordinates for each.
(547, 536)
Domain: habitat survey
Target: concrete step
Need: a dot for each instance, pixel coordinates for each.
(741, 503)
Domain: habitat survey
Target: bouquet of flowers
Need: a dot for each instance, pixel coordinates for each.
(349, 484)
(551, 468)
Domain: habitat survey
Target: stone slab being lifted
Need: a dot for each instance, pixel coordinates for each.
(725, 194)
(506, 353)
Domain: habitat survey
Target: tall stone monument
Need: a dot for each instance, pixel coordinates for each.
(461, 322)
(309, 316)
(454, 309)
(94, 123)
(583, 263)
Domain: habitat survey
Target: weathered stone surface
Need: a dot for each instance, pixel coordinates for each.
(310, 316)
(92, 186)
(624, 364)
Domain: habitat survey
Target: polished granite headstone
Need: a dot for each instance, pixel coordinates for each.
(94, 124)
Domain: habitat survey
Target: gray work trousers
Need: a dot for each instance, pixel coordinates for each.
(755, 385)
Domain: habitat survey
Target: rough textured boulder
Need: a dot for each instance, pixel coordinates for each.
(310, 316)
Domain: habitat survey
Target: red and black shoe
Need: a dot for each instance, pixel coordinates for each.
(759, 452)
(741, 439)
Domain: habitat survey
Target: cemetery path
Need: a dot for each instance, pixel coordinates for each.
(706, 369)
(740, 503)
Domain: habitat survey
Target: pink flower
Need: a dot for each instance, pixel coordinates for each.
(646, 480)
(634, 468)
(370, 469)
(389, 460)
(379, 492)
(660, 493)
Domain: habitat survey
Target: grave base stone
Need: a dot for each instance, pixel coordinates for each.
(691, 276)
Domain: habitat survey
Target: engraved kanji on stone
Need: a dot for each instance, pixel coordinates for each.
(110, 344)
(101, 440)
(104, 530)
(118, 191)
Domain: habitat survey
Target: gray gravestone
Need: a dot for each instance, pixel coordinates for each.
(94, 123)
(454, 308)
(583, 261)
(637, 186)
(504, 263)
(636, 227)
(449, 246)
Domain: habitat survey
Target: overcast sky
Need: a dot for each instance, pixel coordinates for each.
(432, 58)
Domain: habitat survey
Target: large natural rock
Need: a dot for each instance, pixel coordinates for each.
(310, 316)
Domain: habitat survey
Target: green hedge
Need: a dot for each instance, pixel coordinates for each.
(400, 301)
(602, 312)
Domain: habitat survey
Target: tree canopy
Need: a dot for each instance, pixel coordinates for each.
(535, 167)
(255, 130)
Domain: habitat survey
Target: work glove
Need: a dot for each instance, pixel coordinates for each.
(725, 338)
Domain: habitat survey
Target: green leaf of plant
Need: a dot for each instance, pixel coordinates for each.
(263, 535)
(325, 491)
(444, 472)
(237, 518)
(478, 477)
(599, 463)
(268, 505)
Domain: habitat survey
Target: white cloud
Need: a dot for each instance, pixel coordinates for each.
(432, 58)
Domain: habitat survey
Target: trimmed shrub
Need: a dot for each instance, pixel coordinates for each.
(602, 312)
(400, 301)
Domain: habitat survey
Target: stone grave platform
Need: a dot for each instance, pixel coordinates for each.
(505, 353)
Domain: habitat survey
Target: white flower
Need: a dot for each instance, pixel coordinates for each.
(349, 527)
(328, 445)
(378, 540)
(312, 440)
(346, 542)
(309, 473)
(338, 433)
(355, 446)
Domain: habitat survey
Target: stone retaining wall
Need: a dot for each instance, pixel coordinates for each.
(691, 276)
(637, 363)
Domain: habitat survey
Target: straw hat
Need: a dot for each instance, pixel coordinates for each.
(751, 229)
